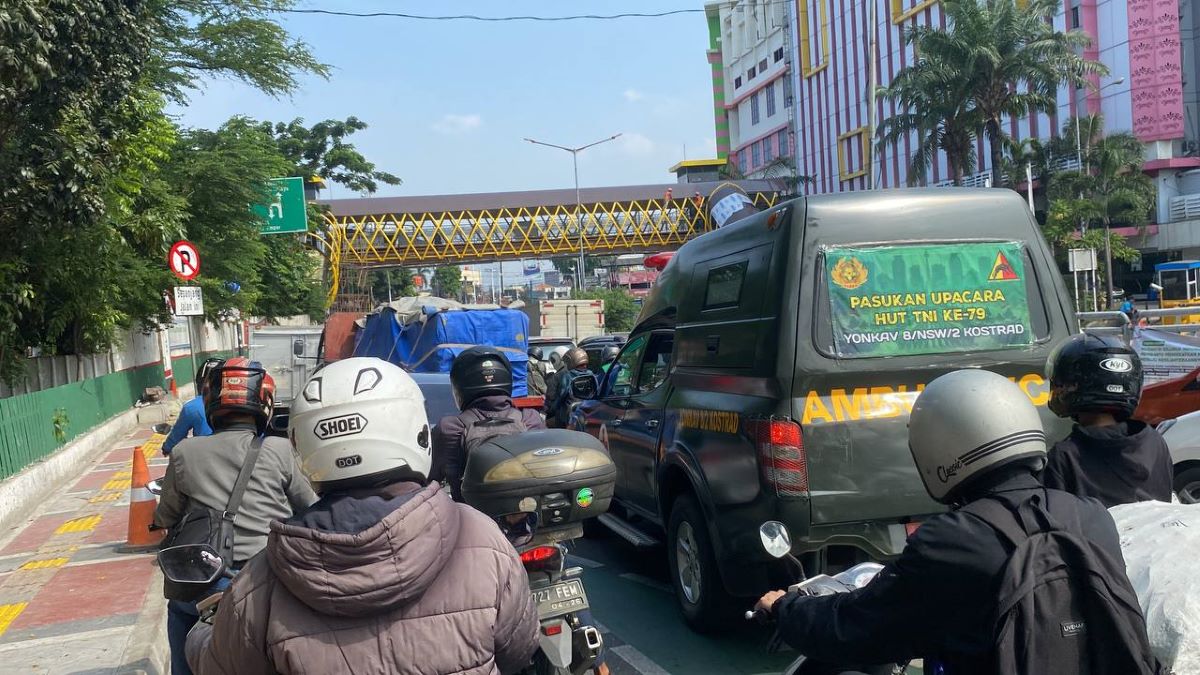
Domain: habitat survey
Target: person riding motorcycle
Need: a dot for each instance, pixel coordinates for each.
(536, 372)
(608, 356)
(938, 600)
(191, 417)
(202, 471)
(482, 383)
(1097, 381)
(384, 574)
(558, 391)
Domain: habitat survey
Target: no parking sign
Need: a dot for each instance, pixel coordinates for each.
(184, 260)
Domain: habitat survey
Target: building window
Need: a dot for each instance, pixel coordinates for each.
(787, 91)
(782, 140)
(755, 156)
(852, 154)
(903, 10)
(767, 150)
(771, 99)
(813, 18)
(741, 160)
(1075, 17)
(778, 55)
(737, 82)
(762, 66)
(751, 73)
(754, 108)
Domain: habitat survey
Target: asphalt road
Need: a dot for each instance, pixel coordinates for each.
(631, 597)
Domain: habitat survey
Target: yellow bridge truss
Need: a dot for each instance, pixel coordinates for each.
(353, 243)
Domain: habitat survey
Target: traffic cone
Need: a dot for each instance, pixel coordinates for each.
(141, 510)
(174, 390)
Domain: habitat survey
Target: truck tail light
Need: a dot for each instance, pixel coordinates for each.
(781, 457)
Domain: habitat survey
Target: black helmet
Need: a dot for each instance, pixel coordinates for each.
(536, 353)
(609, 353)
(480, 371)
(1093, 373)
(210, 364)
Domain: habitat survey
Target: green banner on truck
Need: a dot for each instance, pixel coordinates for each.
(906, 300)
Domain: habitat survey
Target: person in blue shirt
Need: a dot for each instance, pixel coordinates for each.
(191, 417)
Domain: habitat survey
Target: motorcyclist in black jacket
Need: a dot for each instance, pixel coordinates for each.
(1097, 381)
(937, 600)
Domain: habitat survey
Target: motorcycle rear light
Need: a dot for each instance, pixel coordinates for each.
(781, 456)
(553, 628)
(539, 554)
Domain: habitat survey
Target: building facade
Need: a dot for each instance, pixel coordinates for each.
(752, 46)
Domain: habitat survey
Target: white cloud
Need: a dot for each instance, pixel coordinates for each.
(633, 95)
(636, 145)
(457, 124)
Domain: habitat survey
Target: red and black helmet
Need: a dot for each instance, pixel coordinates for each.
(239, 387)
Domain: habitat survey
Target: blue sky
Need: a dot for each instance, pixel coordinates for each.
(449, 102)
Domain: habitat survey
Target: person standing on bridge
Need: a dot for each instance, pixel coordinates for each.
(238, 399)
(192, 418)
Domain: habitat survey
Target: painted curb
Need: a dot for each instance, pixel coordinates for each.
(148, 652)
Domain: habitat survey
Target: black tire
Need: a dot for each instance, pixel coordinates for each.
(594, 529)
(699, 591)
(1187, 482)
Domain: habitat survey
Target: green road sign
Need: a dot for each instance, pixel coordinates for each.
(287, 212)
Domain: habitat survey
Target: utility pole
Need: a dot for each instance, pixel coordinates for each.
(575, 162)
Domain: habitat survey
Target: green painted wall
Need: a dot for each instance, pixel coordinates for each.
(185, 372)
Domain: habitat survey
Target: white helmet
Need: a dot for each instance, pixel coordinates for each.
(358, 423)
(967, 423)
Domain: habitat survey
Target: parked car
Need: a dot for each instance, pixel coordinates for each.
(772, 368)
(1183, 438)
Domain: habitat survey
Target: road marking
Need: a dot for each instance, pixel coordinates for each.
(85, 524)
(8, 613)
(37, 643)
(118, 484)
(646, 581)
(44, 564)
(630, 654)
(106, 497)
(584, 562)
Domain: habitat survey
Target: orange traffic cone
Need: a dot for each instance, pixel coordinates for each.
(141, 510)
(174, 390)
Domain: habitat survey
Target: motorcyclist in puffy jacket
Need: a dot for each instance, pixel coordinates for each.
(937, 601)
(482, 383)
(1097, 381)
(382, 575)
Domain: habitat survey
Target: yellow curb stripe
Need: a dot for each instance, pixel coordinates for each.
(122, 474)
(44, 564)
(8, 613)
(85, 524)
(118, 484)
(106, 497)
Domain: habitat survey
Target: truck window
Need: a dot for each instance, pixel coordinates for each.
(927, 298)
(621, 373)
(656, 363)
(724, 288)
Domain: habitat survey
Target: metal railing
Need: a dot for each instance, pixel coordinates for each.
(1183, 208)
(1118, 323)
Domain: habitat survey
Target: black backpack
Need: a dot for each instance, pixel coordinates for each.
(486, 427)
(1064, 605)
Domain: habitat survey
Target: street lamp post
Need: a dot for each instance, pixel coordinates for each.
(578, 222)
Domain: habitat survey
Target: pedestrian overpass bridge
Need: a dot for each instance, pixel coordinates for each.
(428, 231)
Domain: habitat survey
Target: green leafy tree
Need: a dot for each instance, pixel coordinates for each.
(997, 59)
(620, 311)
(936, 108)
(398, 279)
(447, 282)
(322, 150)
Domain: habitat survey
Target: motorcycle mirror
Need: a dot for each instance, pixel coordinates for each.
(775, 538)
(155, 486)
(196, 564)
(162, 428)
(584, 387)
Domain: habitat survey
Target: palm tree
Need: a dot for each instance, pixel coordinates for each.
(937, 108)
(1003, 58)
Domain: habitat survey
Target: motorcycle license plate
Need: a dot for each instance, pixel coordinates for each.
(560, 598)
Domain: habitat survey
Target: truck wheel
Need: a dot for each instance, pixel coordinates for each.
(1187, 485)
(693, 567)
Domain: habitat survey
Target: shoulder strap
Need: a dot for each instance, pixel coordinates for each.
(243, 479)
(1000, 517)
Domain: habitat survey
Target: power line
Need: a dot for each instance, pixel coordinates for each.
(474, 17)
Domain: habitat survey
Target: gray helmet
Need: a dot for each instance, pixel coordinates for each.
(968, 423)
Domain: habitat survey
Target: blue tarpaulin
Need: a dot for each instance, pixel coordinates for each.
(430, 346)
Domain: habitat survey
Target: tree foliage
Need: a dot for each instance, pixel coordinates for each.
(447, 282)
(322, 150)
(995, 59)
(620, 311)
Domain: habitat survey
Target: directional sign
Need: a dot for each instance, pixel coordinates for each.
(189, 301)
(184, 260)
(286, 211)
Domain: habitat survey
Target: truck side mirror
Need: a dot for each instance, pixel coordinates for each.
(584, 387)
(298, 347)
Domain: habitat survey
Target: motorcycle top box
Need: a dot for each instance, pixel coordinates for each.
(564, 476)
